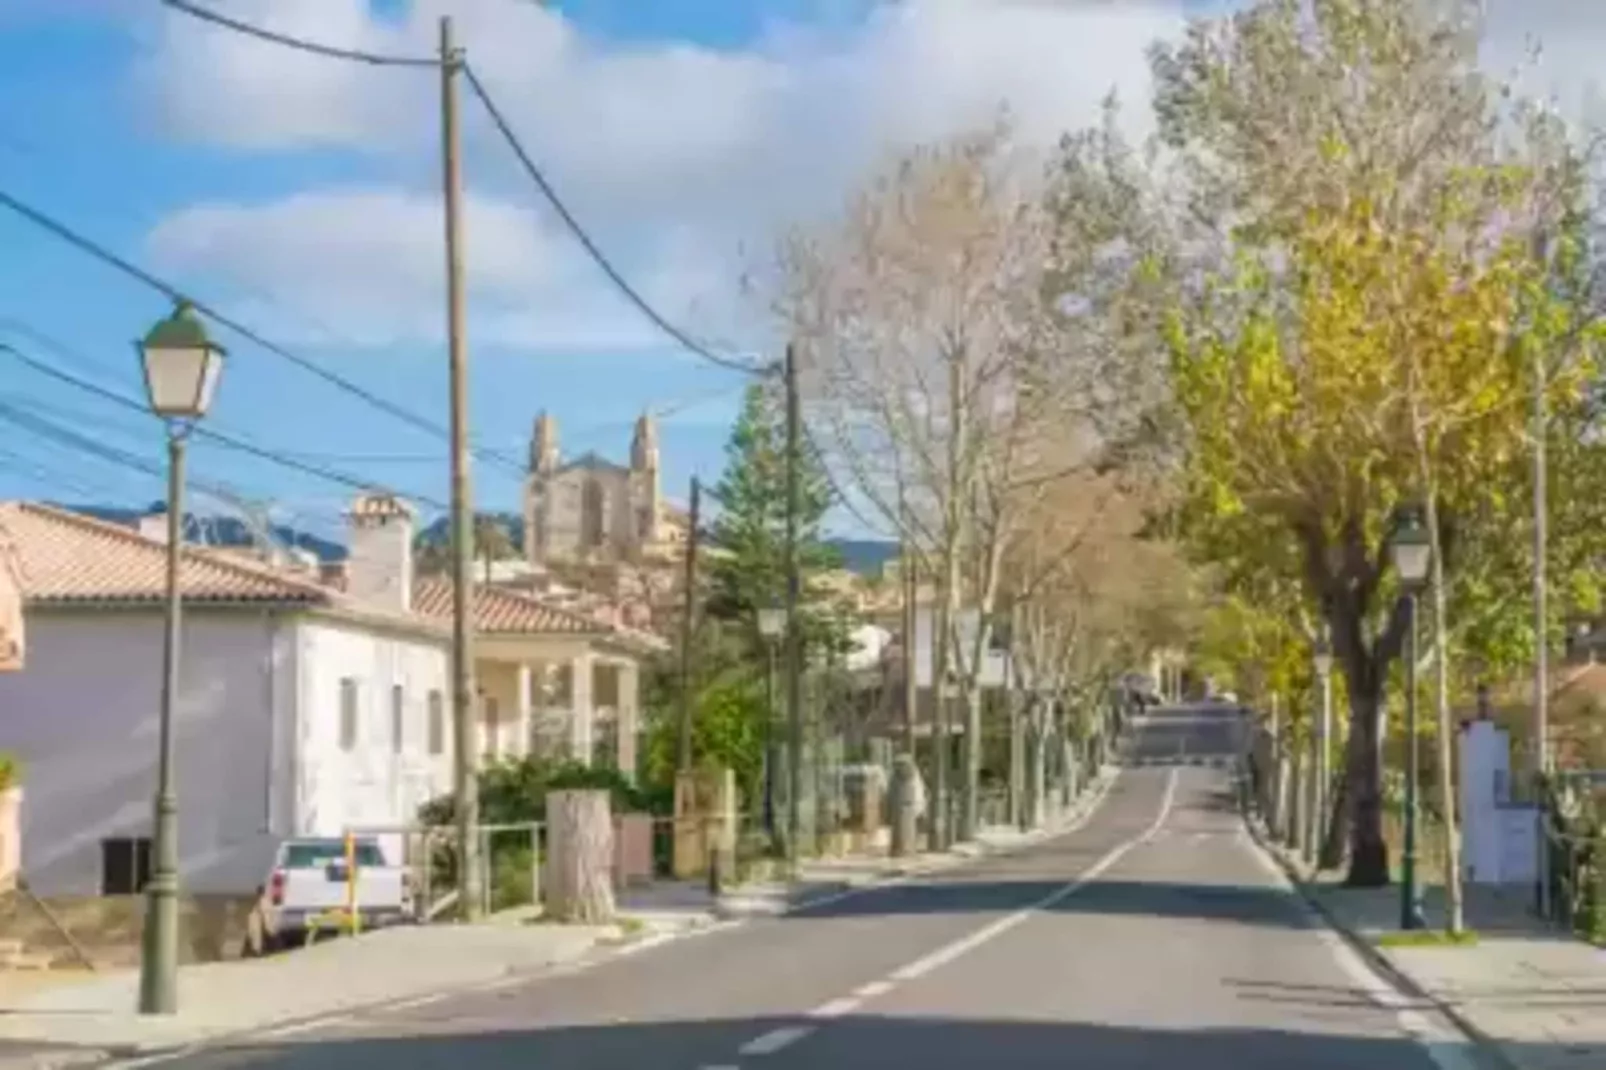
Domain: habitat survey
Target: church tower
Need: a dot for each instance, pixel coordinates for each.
(644, 490)
(537, 488)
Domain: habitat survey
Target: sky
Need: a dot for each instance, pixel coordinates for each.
(301, 195)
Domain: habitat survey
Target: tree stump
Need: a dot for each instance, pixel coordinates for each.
(579, 877)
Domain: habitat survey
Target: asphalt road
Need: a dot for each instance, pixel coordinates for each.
(1155, 936)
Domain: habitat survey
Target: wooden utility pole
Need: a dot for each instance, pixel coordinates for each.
(794, 632)
(464, 749)
(688, 630)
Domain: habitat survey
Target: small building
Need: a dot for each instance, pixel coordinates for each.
(304, 708)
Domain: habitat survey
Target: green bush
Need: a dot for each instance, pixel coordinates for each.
(10, 770)
(511, 879)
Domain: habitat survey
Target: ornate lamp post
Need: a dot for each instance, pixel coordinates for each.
(771, 626)
(182, 365)
(1413, 556)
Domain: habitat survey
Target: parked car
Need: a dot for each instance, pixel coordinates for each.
(310, 888)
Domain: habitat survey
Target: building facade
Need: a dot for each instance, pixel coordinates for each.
(305, 708)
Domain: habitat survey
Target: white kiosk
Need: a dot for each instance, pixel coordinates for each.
(1499, 838)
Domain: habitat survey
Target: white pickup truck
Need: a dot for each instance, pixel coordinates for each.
(308, 888)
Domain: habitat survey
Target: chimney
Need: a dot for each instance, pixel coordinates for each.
(379, 569)
(153, 525)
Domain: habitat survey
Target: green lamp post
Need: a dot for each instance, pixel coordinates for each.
(182, 365)
(1412, 551)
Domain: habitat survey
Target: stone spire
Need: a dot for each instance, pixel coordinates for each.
(644, 445)
(544, 444)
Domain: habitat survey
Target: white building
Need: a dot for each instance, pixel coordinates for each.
(302, 709)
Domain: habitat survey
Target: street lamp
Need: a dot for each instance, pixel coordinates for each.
(182, 365)
(771, 626)
(1412, 551)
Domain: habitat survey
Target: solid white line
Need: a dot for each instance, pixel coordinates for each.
(836, 1008)
(873, 989)
(1439, 1038)
(944, 955)
(775, 1040)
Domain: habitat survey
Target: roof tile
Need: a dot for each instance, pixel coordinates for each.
(67, 557)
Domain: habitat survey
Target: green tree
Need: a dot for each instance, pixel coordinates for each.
(747, 569)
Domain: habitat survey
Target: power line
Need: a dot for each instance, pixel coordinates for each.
(597, 255)
(300, 44)
(207, 433)
(173, 293)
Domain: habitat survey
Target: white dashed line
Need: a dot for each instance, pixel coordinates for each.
(414, 1004)
(836, 1008)
(944, 955)
(775, 1040)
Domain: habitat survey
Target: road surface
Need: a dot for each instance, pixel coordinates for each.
(1155, 936)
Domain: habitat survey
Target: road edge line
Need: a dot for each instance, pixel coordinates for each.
(1371, 954)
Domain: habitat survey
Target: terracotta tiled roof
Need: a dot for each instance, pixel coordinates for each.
(66, 557)
(498, 610)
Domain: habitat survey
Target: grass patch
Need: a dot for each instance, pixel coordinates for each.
(1428, 938)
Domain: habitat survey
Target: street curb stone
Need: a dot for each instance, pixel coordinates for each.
(1374, 956)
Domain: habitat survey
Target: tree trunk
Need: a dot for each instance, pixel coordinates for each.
(1454, 918)
(579, 884)
(1369, 855)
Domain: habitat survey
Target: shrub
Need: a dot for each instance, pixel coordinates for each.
(10, 770)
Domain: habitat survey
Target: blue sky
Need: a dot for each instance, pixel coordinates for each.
(301, 196)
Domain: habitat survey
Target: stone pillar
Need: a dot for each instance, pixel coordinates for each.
(581, 714)
(10, 838)
(629, 718)
(523, 714)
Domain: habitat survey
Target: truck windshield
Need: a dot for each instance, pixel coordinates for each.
(311, 854)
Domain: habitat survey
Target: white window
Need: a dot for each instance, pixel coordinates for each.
(348, 713)
(437, 723)
(398, 718)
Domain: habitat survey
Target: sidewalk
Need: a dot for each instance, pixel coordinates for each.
(225, 998)
(1532, 994)
(90, 1018)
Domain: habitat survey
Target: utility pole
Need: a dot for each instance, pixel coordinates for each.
(906, 769)
(688, 629)
(465, 780)
(794, 632)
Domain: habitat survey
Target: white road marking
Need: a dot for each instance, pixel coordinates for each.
(775, 1040)
(944, 955)
(1444, 1043)
(873, 989)
(836, 1008)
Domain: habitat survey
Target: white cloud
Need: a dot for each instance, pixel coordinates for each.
(675, 156)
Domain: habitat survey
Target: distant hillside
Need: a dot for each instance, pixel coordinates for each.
(864, 556)
(226, 531)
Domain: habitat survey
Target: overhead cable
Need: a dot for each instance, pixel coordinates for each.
(300, 44)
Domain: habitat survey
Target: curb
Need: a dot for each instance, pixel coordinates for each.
(132, 1056)
(1374, 956)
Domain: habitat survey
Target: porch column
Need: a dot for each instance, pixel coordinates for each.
(522, 717)
(627, 717)
(581, 714)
